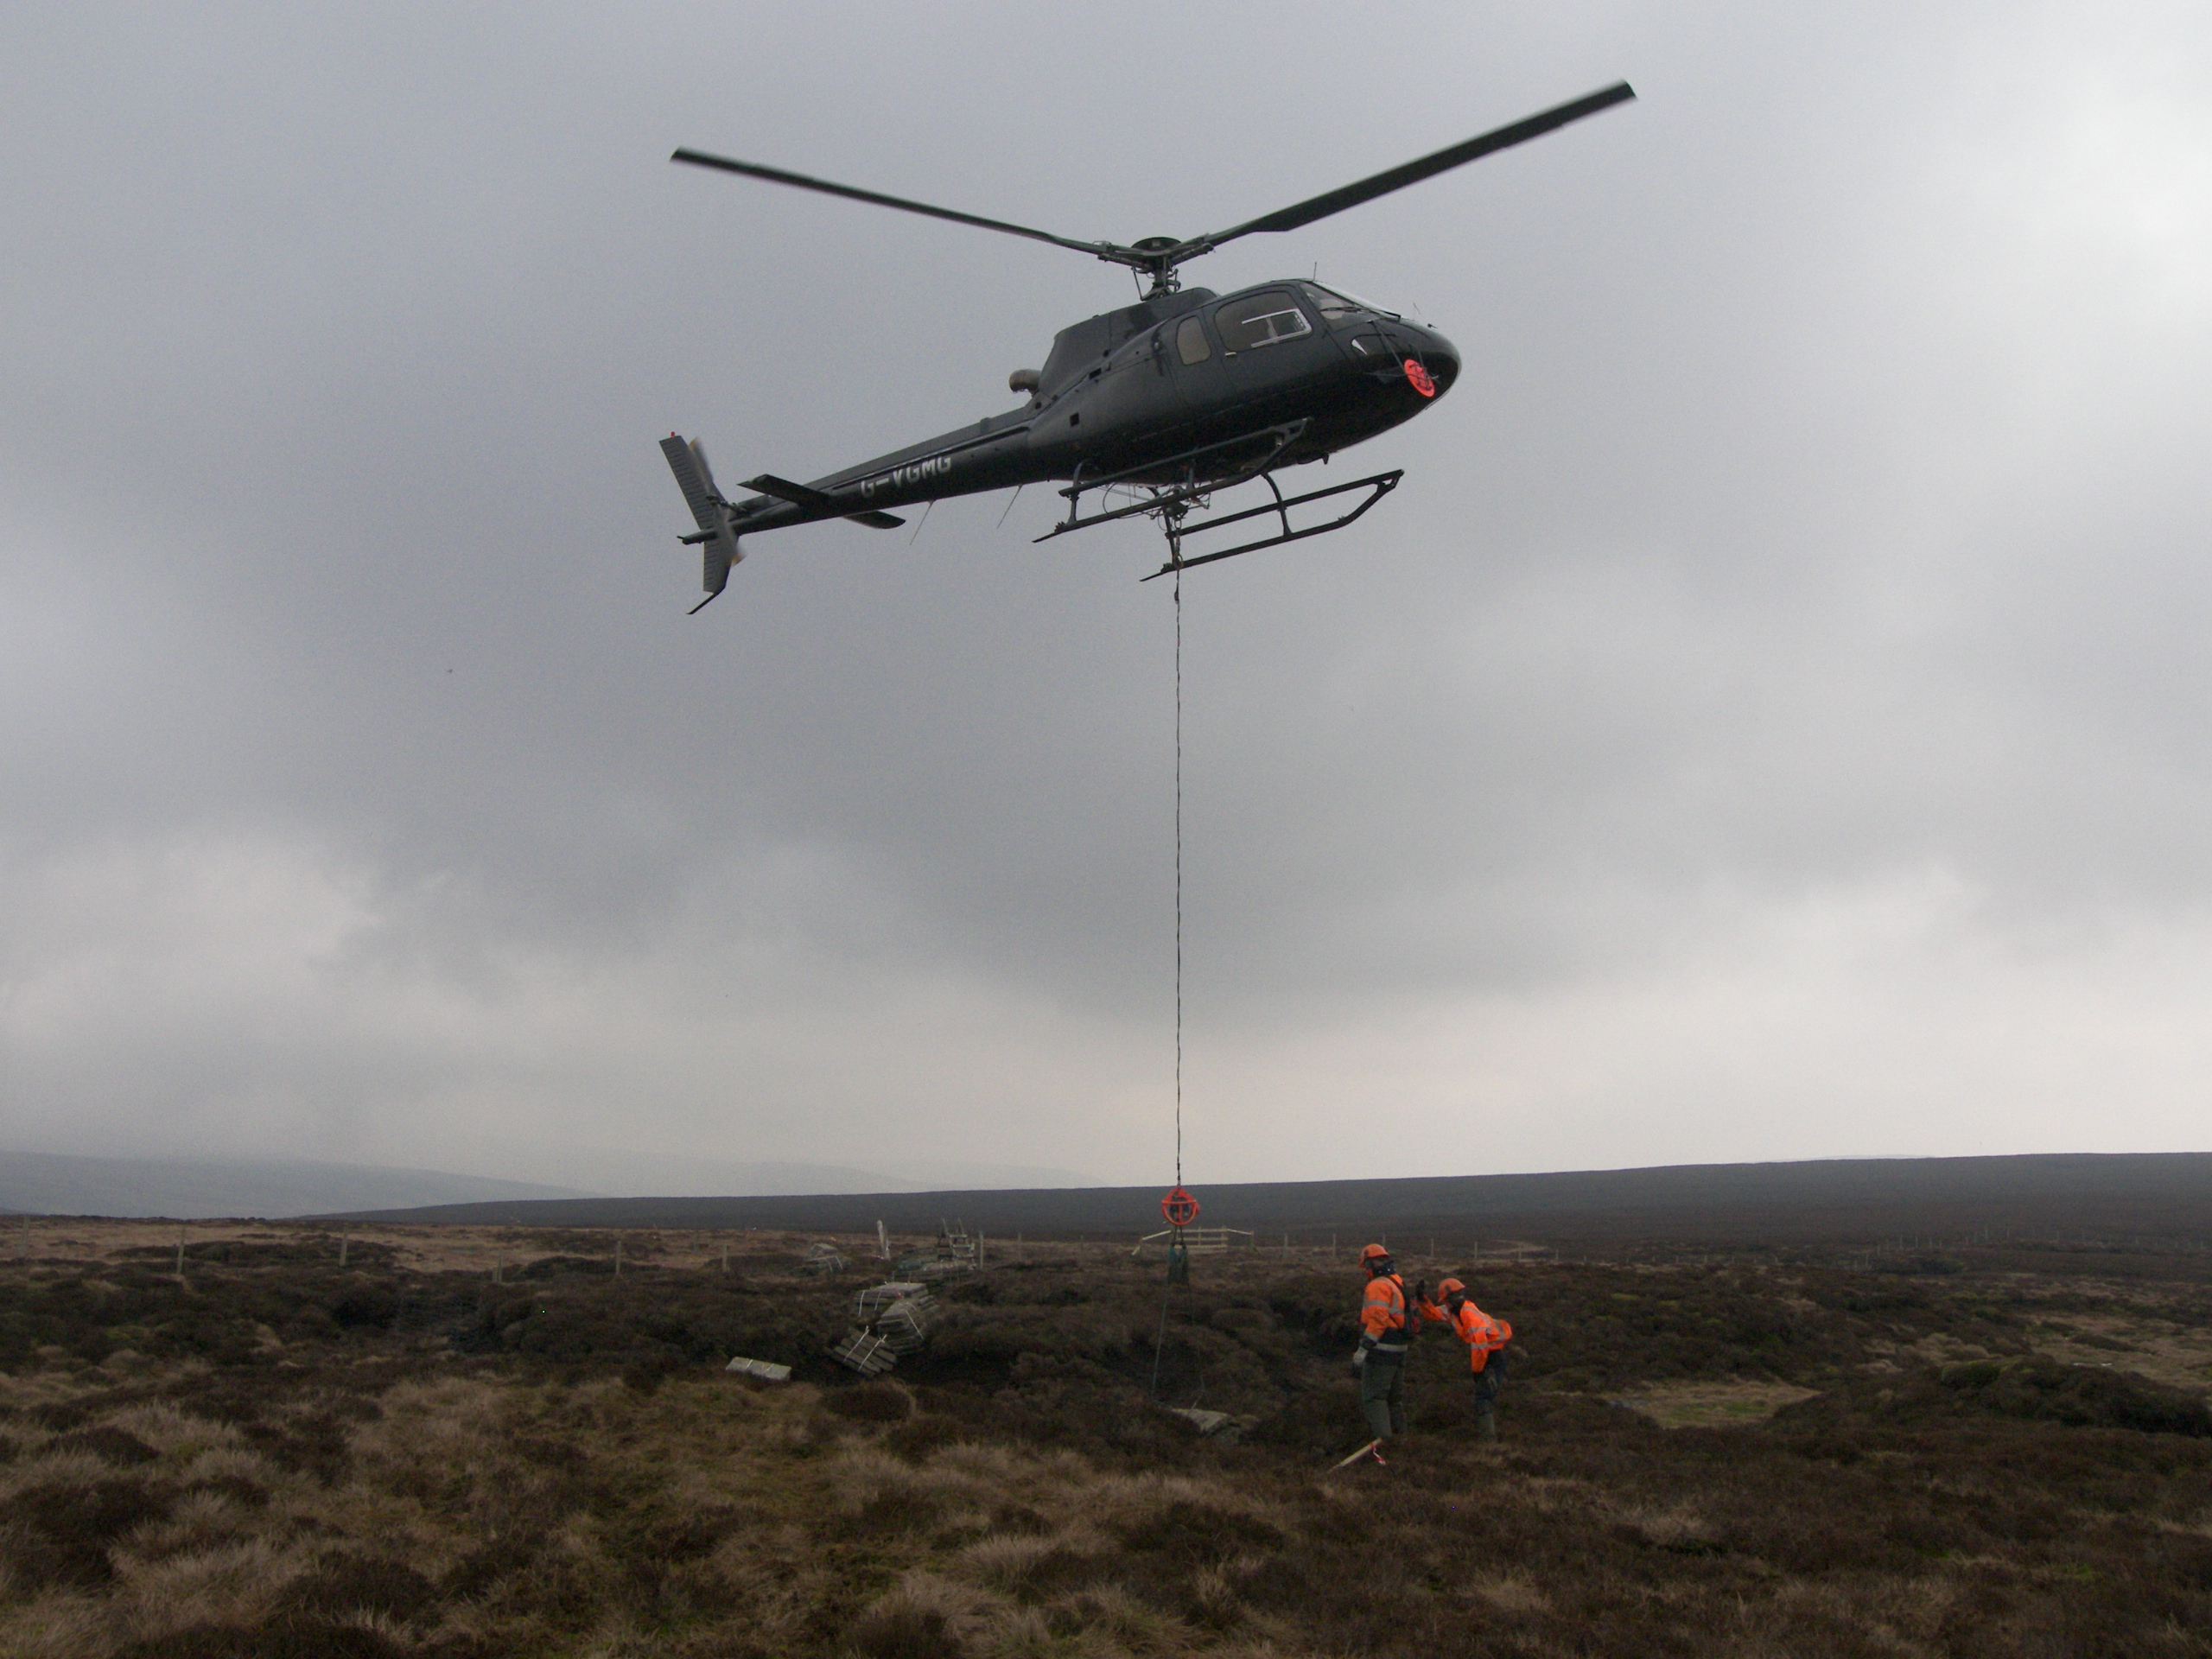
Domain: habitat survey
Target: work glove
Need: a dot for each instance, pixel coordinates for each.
(1359, 1360)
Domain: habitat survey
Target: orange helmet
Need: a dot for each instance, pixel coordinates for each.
(1451, 1287)
(1375, 1253)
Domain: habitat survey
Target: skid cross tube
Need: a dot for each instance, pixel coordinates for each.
(1377, 487)
(1278, 439)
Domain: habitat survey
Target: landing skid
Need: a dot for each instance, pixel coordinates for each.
(1169, 504)
(1178, 533)
(1274, 440)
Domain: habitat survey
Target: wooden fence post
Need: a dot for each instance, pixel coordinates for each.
(618, 1258)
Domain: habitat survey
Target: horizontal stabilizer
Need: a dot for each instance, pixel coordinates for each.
(799, 495)
(814, 500)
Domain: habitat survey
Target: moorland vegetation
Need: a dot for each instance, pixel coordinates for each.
(1764, 1451)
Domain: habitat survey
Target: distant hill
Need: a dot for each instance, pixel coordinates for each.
(2169, 1194)
(48, 1184)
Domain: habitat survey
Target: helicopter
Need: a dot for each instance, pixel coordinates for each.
(1166, 402)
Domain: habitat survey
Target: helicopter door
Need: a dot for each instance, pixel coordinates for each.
(1269, 347)
(1201, 371)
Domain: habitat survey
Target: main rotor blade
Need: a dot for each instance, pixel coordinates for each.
(777, 175)
(1351, 195)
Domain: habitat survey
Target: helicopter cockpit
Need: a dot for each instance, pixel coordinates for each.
(1260, 321)
(1342, 310)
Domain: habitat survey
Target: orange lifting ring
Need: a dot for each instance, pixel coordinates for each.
(1418, 378)
(1180, 1207)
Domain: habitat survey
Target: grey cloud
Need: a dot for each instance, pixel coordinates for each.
(1819, 525)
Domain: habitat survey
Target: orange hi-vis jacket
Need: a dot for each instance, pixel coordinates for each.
(1483, 1335)
(1386, 1314)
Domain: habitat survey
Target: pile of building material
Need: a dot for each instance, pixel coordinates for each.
(954, 1252)
(766, 1370)
(891, 1320)
(861, 1349)
(823, 1256)
(1206, 1422)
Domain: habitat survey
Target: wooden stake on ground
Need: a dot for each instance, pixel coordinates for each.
(618, 1258)
(1356, 1456)
(180, 1253)
(341, 1247)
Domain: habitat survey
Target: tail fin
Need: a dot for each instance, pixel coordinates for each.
(718, 536)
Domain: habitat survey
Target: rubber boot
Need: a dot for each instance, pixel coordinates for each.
(1485, 1426)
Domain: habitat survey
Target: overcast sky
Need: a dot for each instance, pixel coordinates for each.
(1769, 720)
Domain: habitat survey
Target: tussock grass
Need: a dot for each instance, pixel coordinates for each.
(402, 1460)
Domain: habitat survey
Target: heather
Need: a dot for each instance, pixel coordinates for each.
(470, 1442)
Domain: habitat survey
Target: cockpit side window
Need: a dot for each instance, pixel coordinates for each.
(1191, 342)
(1262, 320)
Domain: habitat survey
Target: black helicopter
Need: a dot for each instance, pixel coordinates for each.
(1184, 393)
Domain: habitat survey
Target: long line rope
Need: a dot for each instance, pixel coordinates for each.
(1159, 1339)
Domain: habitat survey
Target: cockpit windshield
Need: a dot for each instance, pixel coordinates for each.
(1340, 309)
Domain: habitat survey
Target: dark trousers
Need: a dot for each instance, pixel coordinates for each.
(1382, 1393)
(1488, 1382)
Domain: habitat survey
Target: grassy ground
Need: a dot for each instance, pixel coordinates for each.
(1984, 1452)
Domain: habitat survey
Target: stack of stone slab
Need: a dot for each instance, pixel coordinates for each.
(903, 1320)
(891, 1320)
(861, 1349)
(766, 1370)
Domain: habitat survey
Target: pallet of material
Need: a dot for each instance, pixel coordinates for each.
(905, 1326)
(862, 1350)
(766, 1370)
(873, 1300)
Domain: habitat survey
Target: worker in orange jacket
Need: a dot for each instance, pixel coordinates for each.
(1388, 1317)
(1486, 1338)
